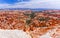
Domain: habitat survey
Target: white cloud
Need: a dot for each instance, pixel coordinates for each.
(34, 4)
(4, 5)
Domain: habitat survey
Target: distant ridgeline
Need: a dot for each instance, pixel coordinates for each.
(33, 9)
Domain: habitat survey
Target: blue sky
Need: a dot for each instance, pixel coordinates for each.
(51, 4)
(12, 1)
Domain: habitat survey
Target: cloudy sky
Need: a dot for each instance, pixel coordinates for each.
(53, 4)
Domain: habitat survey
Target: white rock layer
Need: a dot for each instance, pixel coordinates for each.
(13, 34)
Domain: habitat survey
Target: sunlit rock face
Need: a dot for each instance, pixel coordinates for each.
(54, 33)
(13, 34)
